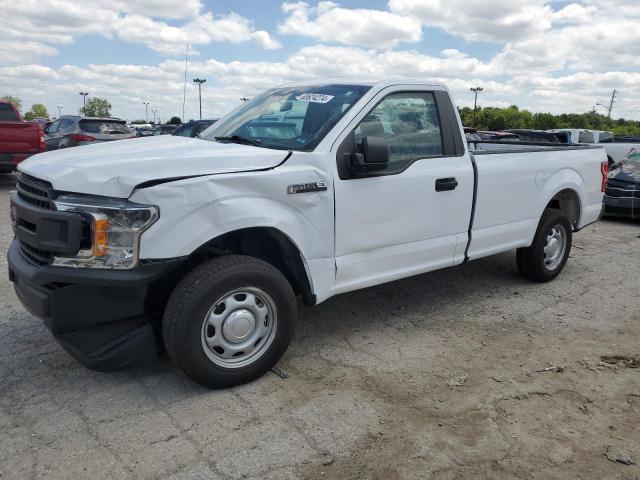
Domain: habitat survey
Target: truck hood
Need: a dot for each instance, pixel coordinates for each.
(114, 169)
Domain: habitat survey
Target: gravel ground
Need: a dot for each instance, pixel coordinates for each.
(464, 373)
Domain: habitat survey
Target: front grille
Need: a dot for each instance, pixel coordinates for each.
(35, 191)
(35, 255)
(36, 232)
(40, 194)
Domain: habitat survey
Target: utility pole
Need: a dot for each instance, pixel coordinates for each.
(60, 107)
(84, 102)
(154, 111)
(475, 91)
(613, 99)
(146, 110)
(200, 81)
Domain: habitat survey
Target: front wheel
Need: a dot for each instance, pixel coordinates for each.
(229, 321)
(546, 257)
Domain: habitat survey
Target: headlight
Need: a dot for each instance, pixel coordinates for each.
(112, 232)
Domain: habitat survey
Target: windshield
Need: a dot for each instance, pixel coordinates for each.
(634, 157)
(291, 118)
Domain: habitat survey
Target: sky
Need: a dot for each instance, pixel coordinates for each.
(542, 55)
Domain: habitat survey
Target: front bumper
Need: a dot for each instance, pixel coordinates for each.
(105, 318)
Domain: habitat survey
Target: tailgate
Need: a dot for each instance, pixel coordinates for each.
(19, 137)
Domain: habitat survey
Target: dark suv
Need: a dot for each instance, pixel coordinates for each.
(166, 129)
(71, 131)
(193, 128)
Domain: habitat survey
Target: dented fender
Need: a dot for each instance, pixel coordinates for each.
(194, 211)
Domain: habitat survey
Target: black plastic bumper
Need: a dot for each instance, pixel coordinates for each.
(622, 206)
(105, 318)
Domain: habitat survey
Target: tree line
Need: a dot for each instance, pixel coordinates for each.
(95, 107)
(493, 118)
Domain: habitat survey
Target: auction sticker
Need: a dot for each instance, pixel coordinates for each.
(314, 97)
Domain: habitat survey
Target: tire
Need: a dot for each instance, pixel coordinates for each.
(210, 312)
(533, 262)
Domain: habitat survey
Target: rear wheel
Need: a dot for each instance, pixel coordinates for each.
(229, 321)
(546, 257)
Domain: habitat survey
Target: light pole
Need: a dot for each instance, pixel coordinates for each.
(154, 111)
(146, 110)
(60, 107)
(475, 91)
(84, 102)
(200, 81)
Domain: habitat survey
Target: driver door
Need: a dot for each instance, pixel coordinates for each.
(405, 218)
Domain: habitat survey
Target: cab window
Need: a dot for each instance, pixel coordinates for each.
(408, 122)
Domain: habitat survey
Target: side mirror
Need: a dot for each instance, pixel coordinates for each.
(286, 106)
(374, 157)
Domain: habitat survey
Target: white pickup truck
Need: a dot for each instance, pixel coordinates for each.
(308, 190)
(616, 150)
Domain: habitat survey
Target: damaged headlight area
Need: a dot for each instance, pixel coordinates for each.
(111, 233)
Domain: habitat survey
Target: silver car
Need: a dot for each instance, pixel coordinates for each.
(71, 131)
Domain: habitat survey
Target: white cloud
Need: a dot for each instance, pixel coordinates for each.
(61, 22)
(473, 20)
(155, 8)
(328, 22)
(551, 55)
(21, 52)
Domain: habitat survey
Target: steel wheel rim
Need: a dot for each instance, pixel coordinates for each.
(555, 246)
(239, 327)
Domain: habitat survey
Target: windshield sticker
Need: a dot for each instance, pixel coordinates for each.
(314, 97)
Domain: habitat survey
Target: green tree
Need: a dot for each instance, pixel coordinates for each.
(96, 107)
(14, 100)
(493, 118)
(174, 121)
(139, 122)
(38, 110)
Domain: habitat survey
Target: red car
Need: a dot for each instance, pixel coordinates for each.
(18, 139)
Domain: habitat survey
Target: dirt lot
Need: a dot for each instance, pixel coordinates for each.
(450, 375)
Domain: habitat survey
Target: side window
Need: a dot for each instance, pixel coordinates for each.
(65, 123)
(53, 128)
(408, 122)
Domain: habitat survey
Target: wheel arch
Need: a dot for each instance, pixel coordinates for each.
(564, 191)
(568, 201)
(266, 243)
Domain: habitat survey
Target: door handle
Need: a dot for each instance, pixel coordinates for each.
(446, 184)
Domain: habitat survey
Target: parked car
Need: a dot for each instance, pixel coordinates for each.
(584, 135)
(622, 195)
(534, 136)
(622, 139)
(72, 131)
(193, 128)
(165, 129)
(498, 136)
(18, 139)
(207, 243)
(616, 151)
(144, 130)
(471, 134)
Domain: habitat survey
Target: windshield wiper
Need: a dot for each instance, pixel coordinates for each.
(241, 139)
